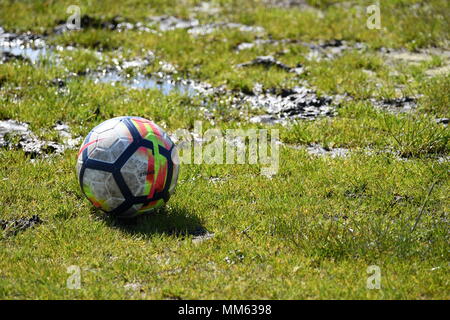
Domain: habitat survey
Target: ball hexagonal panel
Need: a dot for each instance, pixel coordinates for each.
(107, 125)
(101, 189)
(90, 143)
(137, 170)
(111, 140)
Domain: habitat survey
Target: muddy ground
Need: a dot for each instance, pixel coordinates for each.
(274, 106)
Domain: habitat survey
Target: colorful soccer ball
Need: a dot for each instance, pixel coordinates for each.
(127, 166)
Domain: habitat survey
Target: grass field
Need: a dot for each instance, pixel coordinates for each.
(310, 231)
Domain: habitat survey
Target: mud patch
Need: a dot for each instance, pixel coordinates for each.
(12, 227)
(393, 56)
(331, 49)
(406, 56)
(289, 104)
(212, 27)
(416, 56)
(133, 286)
(66, 135)
(17, 135)
(206, 8)
(302, 4)
(168, 23)
(278, 105)
(443, 159)
(396, 105)
(193, 26)
(325, 50)
(118, 23)
(163, 80)
(201, 238)
(443, 121)
(440, 71)
(320, 151)
(270, 61)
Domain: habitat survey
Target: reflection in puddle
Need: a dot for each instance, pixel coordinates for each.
(27, 53)
(165, 85)
(26, 46)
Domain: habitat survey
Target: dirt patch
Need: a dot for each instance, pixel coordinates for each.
(396, 105)
(318, 150)
(202, 238)
(270, 61)
(12, 227)
(133, 286)
(321, 151)
(89, 22)
(168, 23)
(211, 27)
(325, 50)
(17, 135)
(206, 8)
(443, 121)
(296, 103)
(406, 56)
(440, 71)
(287, 3)
(279, 105)
(392, 56)
(66, 135)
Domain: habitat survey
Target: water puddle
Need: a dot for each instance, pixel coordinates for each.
(21, 53)
(164, 84)
(21, 47)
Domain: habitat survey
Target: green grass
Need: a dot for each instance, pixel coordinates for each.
(309, 232)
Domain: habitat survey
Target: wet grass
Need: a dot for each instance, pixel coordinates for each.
(310, 231)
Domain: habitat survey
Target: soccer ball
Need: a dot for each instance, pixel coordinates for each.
(127, 166)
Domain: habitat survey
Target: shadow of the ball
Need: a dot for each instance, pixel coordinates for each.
(167, 220)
